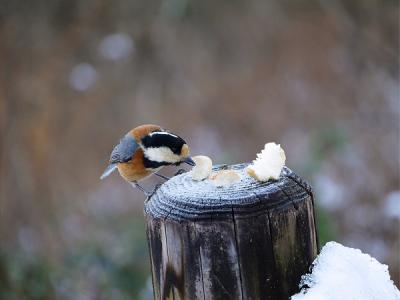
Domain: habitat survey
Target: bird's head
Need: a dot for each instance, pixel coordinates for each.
(166, 148)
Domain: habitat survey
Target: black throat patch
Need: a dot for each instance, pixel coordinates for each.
(151, 164)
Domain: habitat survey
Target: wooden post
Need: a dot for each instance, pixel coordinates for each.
(251, 240)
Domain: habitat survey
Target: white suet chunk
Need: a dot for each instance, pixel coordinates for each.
(268, 164)
(203, 167)
(225, 178)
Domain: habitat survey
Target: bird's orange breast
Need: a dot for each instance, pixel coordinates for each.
(134, 169)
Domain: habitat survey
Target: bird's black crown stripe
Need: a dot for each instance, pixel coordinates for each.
(163, 139)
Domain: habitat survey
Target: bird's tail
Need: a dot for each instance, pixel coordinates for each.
(108, 170)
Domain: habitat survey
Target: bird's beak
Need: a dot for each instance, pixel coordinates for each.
(189, 161)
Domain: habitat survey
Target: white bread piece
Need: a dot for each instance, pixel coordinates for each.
(268, 164)
(203, 167)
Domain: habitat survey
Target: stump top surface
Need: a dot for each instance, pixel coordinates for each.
(182, 198)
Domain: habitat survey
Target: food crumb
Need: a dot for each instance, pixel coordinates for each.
(224, 178)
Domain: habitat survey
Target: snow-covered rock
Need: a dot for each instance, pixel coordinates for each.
(340, 273)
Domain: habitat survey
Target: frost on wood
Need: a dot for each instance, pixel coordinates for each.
(203, 167)
(346, 273)
(268, 164)
(201, 199)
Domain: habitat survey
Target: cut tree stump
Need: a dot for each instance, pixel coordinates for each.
(251, 240)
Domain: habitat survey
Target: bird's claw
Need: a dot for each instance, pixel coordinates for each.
(150, 194)
(221, 166)
(162, 176)
(180, 171)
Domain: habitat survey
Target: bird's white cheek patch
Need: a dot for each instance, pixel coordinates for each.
(161, 154)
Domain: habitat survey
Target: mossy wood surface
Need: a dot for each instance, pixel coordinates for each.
(251, 240)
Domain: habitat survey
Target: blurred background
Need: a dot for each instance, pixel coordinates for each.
(319, 77)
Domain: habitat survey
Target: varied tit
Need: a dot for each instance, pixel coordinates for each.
(144, 150)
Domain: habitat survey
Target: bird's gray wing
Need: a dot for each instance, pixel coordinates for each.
(125, 150)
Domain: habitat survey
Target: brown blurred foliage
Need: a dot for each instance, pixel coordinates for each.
(319, 77)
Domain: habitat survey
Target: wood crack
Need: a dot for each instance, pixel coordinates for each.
(237, 252)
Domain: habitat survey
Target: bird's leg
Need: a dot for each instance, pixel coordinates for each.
(157, 186)
(162, 176)
(146, 193)
(180, 171)
(221, 166)
(137, 185)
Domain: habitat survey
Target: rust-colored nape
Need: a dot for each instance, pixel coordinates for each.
(143, 130)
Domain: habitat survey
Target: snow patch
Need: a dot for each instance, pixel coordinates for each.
(340, 273)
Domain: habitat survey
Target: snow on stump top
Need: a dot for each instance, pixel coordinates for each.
(182, 198)
(247, 240)
(345, 273)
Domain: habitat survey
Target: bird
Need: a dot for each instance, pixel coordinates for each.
(143, 151)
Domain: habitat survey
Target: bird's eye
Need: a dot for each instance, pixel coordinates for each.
(175, 149)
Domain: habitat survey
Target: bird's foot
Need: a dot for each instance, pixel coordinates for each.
(150, 194)
(146, 193)
(137, 185)
(162, 176)
(221, 166)
(180, 171)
